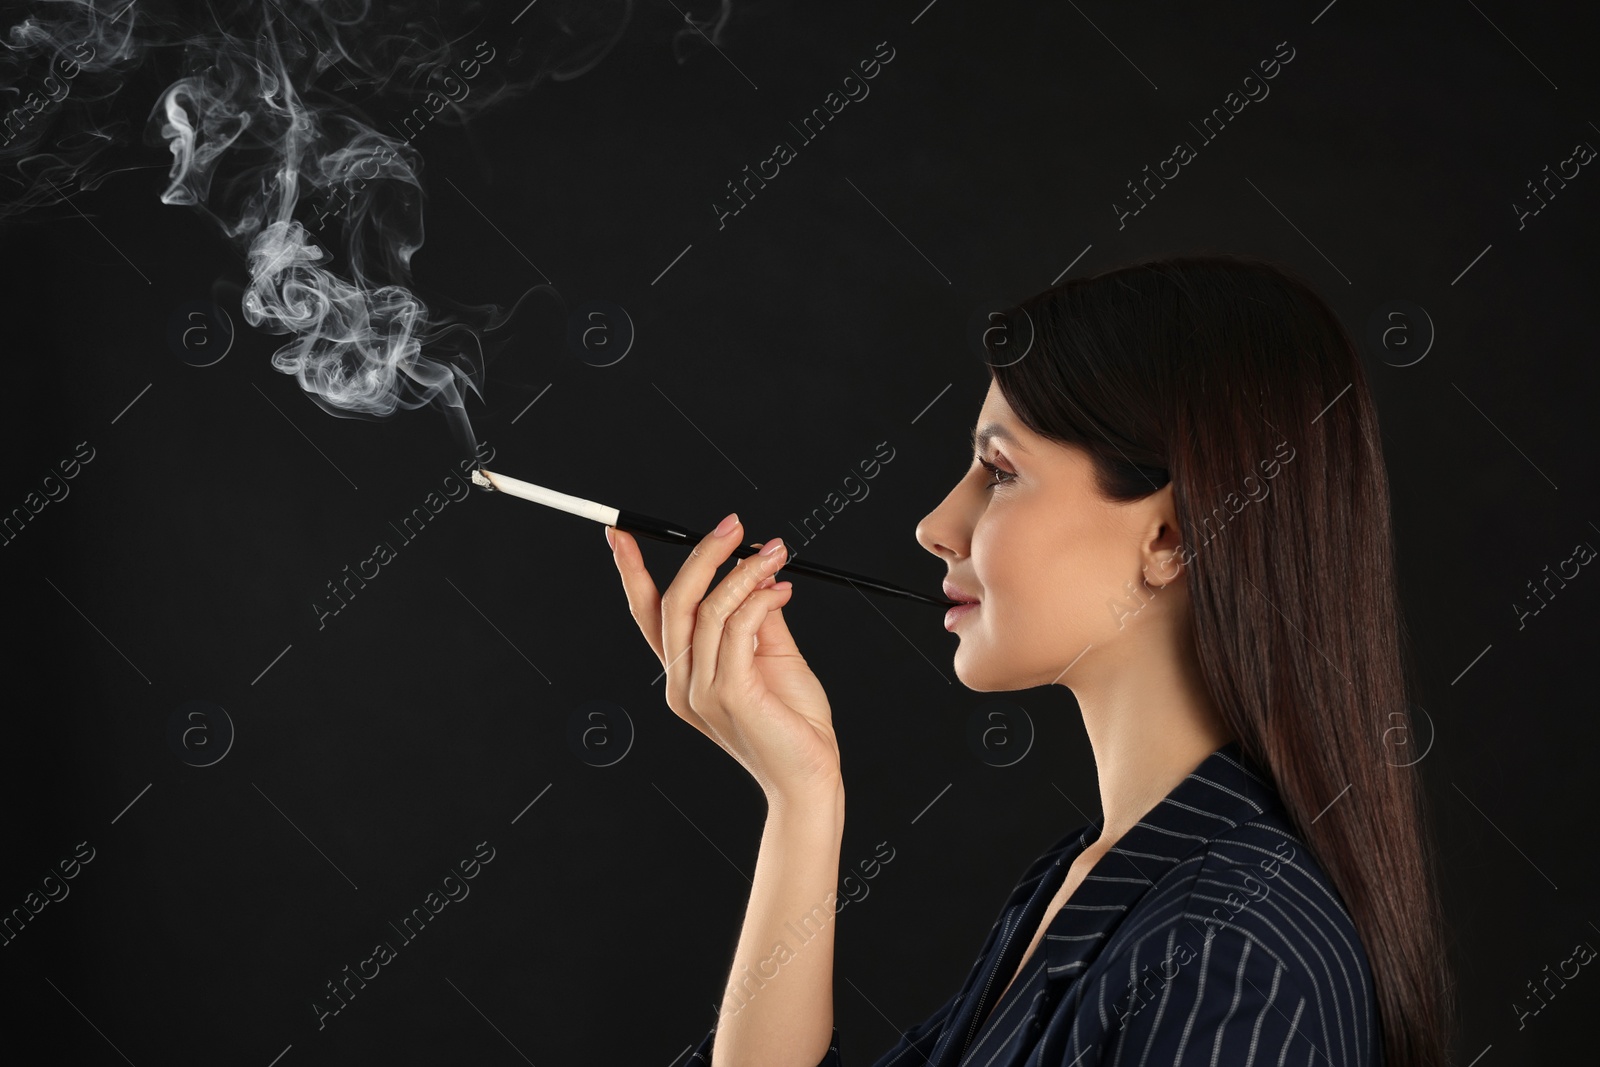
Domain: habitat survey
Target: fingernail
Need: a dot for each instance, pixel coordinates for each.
(725, 527)
(772, 546)
(610, 540)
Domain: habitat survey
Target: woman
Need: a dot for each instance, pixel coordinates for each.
(1177, 508)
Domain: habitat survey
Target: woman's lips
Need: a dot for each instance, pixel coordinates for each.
(955, 592)
(957, 613)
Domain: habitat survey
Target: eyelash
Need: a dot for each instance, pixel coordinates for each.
(1004, 476)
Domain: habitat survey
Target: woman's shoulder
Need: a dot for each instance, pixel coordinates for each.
(1250, 919)
(1258, 881)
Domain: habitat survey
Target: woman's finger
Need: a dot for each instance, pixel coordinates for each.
(645, 606)
(773, 638)
(747, 627)
(680, 604)
(732, 592)
(644, 603)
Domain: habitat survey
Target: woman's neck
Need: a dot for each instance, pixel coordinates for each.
(1148, 730)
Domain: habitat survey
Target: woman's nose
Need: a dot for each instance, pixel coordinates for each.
(935, 532)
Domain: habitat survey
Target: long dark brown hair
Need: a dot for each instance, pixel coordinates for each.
(1231, 378)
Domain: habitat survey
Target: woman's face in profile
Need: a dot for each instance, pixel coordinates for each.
(1053, 565)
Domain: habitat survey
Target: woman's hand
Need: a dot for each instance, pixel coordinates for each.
(732, 669)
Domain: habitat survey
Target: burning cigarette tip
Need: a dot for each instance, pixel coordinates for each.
(481, 480)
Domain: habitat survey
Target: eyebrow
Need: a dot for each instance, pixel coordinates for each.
(981, 438)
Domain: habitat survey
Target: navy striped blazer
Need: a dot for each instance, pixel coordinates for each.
(1208, 936)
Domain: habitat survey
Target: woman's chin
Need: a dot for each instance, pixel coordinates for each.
(974, 673)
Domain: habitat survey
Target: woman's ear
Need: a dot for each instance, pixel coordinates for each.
(1163, 561)
(1165, 567)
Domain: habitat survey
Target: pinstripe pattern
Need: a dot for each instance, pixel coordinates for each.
(1208, 936)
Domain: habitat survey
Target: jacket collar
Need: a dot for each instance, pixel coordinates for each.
(1225, 790)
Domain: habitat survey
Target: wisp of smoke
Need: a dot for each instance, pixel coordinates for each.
(264, 126)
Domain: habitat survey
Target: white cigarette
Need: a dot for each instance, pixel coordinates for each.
(573, 505)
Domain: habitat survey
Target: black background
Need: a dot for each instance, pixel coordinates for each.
(771, 358)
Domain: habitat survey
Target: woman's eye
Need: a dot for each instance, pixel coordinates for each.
(1001, 476)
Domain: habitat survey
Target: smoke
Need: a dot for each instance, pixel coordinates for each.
(59, 80)
(271, 135)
